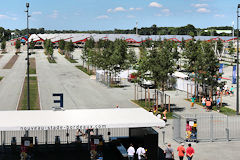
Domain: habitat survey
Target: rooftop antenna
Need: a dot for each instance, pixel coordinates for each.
(136, 27)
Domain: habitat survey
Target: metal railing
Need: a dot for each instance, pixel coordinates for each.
(66, 136)
(210, 127)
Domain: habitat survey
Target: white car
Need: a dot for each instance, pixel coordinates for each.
(147, 83)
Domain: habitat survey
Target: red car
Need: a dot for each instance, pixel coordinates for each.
(132, 77)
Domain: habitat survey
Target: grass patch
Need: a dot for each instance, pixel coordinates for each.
(51, 60)
(224, 110)
(116, 86)
(71, 60)
(1, 78)
(34, 97)
(89, 72)
(141, 103)
(32, 67)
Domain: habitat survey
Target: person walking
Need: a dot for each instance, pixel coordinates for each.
(203, 101)
(208, 104)
(181, 151)
(218, 104)
(130, 152)
(169, 153)
(141, 153)
(193, 101)
(165, 115)
(190, 152)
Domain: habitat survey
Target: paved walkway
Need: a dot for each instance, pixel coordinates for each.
(204, 150)
(78, 89)
(11, 84)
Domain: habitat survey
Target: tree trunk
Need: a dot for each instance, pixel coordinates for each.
(145, 97)
(149, 97)
(162, 96)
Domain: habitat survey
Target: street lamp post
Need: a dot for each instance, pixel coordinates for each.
(237, 106)
(28, 63)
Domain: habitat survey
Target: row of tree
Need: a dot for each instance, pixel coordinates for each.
(108, 55)
(160, 60)
(5, 34)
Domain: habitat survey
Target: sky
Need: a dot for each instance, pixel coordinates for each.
(120, 14)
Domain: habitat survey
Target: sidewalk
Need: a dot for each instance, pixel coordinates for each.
(204, 150)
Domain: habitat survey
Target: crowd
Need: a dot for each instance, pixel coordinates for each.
(169, 152)
(189, 152)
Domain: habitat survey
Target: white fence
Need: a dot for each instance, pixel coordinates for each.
(185, 85)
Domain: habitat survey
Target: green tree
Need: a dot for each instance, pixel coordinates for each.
(219, 48)
(61, 46)
(211, 67)
(48, 47)
(162, 65)
(32, 45)
(69, 48)
(18, 46)
(3, 46)
(231, 50)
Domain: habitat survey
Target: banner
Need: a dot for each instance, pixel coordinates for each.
(191, 130)
(220, 70)
(234, 75)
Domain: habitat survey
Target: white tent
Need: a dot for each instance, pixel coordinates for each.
(78, 119)
(179, 75)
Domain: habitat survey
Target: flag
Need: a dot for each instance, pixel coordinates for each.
(234, 75)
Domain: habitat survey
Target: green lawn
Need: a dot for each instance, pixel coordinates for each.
(71, 60)
(142, 104)
(32, 70)
(1, 78)
(34, 97)
(90, 72)
(223, 109)
(50, 60)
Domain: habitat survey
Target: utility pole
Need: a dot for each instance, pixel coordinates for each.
(28, 63)
(237, 106)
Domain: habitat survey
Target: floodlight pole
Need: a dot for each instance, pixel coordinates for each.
(28, 63)
(237, 105)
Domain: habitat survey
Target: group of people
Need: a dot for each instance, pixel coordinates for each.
(160, 115)
(189, 152)
(207, 103)
(225, 90)
(141, 153)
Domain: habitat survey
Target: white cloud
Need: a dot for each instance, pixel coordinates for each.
(54, 14)
(119, 9)
(109, 10)
(203, 10)
(219, 15)
(155, 4)
(200, 5)
(2, 16)
(102, 17)
(130, 16)
(137, 9)
(167, 11)
(36, 13)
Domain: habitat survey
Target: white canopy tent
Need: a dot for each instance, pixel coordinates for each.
(78, 119)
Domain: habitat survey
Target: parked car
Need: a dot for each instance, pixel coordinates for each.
(146, 83)
(132, 77)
